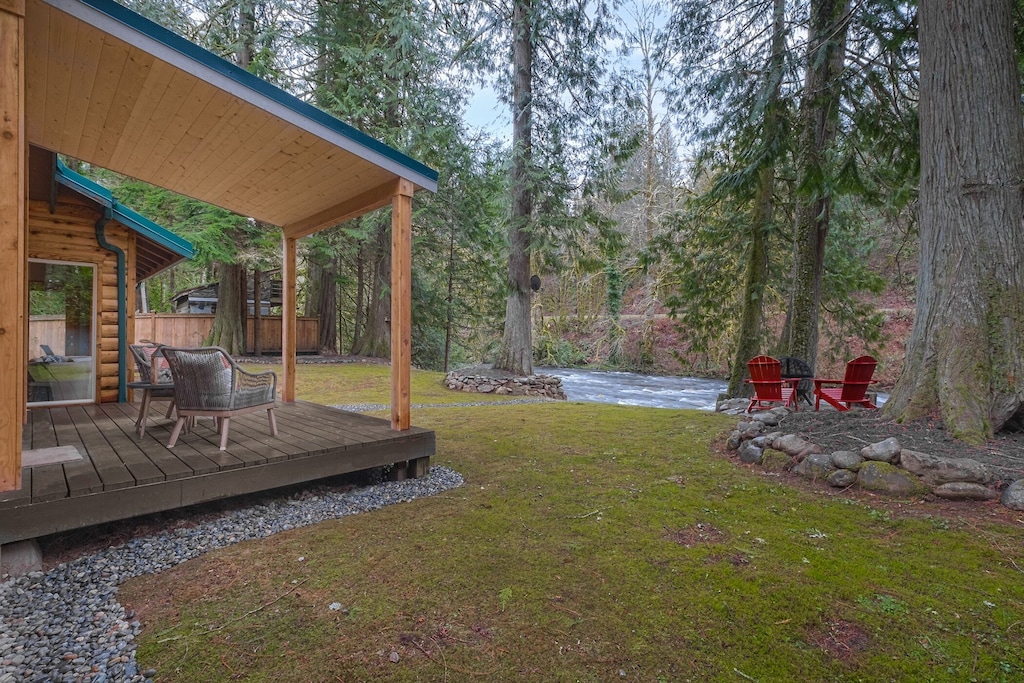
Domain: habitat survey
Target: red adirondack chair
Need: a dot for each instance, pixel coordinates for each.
(853, 389)
(769, 386)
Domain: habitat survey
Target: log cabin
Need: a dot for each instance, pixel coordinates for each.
(96, 82)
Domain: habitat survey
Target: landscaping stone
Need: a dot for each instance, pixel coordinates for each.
(962, 490)
(791, 444)
(769, 418)
(775, 461)
(936, 470)
(734, 440)
(842, 479)
(751, 454)
(883, 477)
(815, 466)
(748, 430)
(486, 381)
(847, 460)
(1013, 496)
(883, 451)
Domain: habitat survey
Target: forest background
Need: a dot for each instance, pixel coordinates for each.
(693, 182)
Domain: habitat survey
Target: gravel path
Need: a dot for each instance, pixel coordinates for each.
(67, 625)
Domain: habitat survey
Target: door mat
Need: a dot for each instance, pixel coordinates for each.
(49, 456)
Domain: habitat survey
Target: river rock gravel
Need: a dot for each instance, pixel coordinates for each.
(66, 624)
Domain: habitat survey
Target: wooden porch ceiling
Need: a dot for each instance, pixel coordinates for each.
(117, 91)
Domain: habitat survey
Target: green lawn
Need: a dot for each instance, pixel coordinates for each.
(596, 543)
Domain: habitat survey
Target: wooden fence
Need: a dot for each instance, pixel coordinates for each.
(185, 329)
(45, 329)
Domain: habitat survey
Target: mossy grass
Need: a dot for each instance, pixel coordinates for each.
(597, 543)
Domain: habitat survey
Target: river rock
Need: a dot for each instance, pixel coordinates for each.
(847, 460)
(770, 418)
(791, 444)
(962, 490)
(734, 440)
(842, 479)
(883, 451)
(883, 477)
(937, 470)
(815, 466)
(749, 453)
(1013, 496)
(775, 461)
(751, 429)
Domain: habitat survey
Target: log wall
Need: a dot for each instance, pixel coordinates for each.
(69, 234)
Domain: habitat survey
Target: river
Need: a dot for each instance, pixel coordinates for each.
(652, 391)
(633, 389)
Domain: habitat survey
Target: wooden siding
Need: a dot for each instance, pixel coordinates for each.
(187, 329)
(122, 476)
(69, 234)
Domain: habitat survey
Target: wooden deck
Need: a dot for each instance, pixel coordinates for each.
(121, 476)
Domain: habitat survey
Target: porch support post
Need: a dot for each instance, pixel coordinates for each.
(13, 239)
(289, 319)
(401, 304)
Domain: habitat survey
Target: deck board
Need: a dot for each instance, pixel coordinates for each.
(122, 475)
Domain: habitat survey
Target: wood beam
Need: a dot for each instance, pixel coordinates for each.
(350, 208)
(401, 304)
(13, 241)
(289, 318)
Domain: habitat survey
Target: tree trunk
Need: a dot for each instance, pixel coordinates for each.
(227, 330)
(965, 356)
(329, 309)
(257, 311)
(516, 351)
(749, 334)
(819, 117)
(375, 340)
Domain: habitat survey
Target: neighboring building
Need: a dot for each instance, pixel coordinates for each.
(203, 299)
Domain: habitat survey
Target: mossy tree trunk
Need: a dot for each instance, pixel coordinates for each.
(749, 335)
(516, 351)
(965, 356)
(819, 117)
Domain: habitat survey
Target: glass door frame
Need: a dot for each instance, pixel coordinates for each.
(94, 320)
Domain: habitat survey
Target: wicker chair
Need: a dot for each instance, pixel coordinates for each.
(154, 380)
(208, 382)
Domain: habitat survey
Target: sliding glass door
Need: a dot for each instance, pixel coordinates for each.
(62, 333)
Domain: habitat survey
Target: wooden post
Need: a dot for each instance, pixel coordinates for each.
(401, 304)
(289, 316)
(13, 285)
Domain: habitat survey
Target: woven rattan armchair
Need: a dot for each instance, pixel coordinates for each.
(208, 382)
(154, 380)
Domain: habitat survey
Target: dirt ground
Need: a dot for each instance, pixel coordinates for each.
(835, 431)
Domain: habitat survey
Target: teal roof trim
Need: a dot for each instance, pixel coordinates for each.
(121, 213)
(194, 52)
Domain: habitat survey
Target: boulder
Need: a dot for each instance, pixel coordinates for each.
(883, 477)
(847, 460)
(1013, 496)
(775, 461)
(749, 453)
(791, 444)
(962, 490)
(883, 451)
(937, 470)
(769, 418)
(842, 479)
(734, 440)
(815, 466)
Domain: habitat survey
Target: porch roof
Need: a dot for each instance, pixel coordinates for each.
(109, 87)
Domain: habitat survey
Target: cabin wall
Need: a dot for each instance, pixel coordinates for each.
(69, 234)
